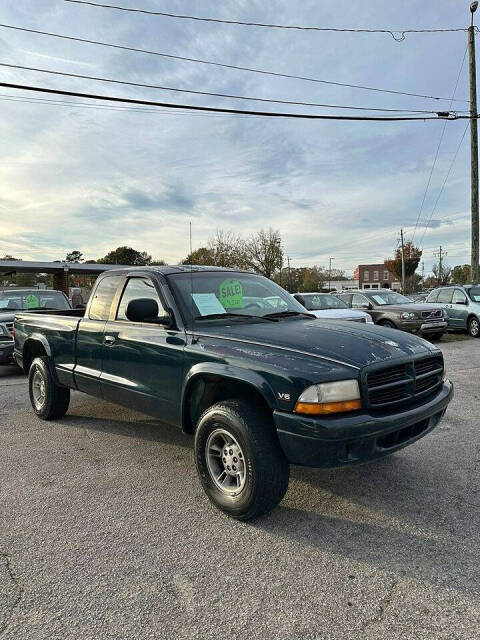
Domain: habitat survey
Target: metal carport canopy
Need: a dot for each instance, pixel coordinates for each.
(9, 267)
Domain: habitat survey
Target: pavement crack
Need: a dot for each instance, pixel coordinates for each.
(19, 588)
(383, 605)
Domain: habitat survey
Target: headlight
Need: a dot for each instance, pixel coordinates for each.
(3, 330)
(329, 397)
(408, 315)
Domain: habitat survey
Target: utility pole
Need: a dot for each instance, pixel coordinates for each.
(403, 262)
(289, 278)
(423, 272)
(440, 254)
(473, 145)
(330, 274)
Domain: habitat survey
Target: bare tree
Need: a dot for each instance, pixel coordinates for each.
(263, 252)
(442, 275)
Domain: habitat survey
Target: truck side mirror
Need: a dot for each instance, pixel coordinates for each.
(146, 310)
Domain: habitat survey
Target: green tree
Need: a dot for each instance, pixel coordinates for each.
(201, 256)
(127, 255)
(461, 274)
(74, 256)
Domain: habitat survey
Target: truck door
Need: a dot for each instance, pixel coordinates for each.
(142, 362)
(89, 347)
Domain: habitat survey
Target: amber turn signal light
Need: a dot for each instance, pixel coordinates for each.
(326, 408)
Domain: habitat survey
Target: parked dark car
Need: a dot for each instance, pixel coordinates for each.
(13, 300)
(391, 309)
(6, 344)
(204, 350)
(462, 306)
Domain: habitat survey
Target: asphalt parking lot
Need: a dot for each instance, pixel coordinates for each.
(106, 533)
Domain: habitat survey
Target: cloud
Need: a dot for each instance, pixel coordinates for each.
(89, 177)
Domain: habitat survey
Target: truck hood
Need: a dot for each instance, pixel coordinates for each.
(350, 343)
(339, 314)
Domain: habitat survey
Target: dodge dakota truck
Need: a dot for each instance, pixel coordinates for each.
(260, 387)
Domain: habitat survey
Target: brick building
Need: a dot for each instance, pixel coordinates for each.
(376, 276)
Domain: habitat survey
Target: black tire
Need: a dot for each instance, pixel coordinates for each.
(266, 469)
(387, 323)
(474, 327)
(55, 398)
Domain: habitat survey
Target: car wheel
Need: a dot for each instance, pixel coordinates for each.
(241, 465)
(49, 400)
(387, 323)
(474, 327)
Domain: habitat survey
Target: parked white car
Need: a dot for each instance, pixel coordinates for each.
(325, 305)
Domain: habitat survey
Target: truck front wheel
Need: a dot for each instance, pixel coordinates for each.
(49, 400)
(241, 465)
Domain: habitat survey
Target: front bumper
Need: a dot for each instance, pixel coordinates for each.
(357, 437)
(6, 351)
(417, 326)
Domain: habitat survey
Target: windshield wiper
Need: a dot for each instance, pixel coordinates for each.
(286, 314)
(213, 316)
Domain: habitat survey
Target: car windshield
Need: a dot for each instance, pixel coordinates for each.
(34, 299)
(322, 301)
(204, 295)
(474, 294)
(389, 297)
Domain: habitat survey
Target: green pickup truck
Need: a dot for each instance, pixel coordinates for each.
(232, 358)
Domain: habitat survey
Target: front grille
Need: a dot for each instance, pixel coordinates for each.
(405, 382)
(9, 326)
(435, 314)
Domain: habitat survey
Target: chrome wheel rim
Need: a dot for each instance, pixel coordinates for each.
(474, 327)
(225, 462)
(38, 390)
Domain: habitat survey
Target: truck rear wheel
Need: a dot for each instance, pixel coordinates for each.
(241, 465)
(49, 400)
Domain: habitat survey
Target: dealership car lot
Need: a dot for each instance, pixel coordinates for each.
(106, 533)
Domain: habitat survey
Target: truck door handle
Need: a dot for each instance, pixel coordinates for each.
(108, 340)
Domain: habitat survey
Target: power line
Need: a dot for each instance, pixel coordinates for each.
(208, 93)
(269, 114)
(397, 34)
(438, 148)
(103, 107)
(444, 183)
(227, 66)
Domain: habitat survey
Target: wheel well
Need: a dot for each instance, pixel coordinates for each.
(32, 349)
(472, 315)
(207, 390)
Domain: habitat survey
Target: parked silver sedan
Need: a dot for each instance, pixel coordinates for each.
(462, 305)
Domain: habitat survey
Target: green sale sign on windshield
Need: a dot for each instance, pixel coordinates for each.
(231, 294)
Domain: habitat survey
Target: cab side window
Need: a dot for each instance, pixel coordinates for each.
(445, 295)
(103, 298)
(459, 297)
(138, 288)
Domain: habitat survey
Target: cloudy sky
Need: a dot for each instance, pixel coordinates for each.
(82, 176)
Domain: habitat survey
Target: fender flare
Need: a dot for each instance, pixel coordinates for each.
(36, 338)
(228, 372)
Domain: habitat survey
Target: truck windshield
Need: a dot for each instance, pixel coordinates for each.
(474, 294)
(34, 299)
(322, 301)
(214, 294)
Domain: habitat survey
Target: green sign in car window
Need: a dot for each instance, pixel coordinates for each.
(230, 294)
